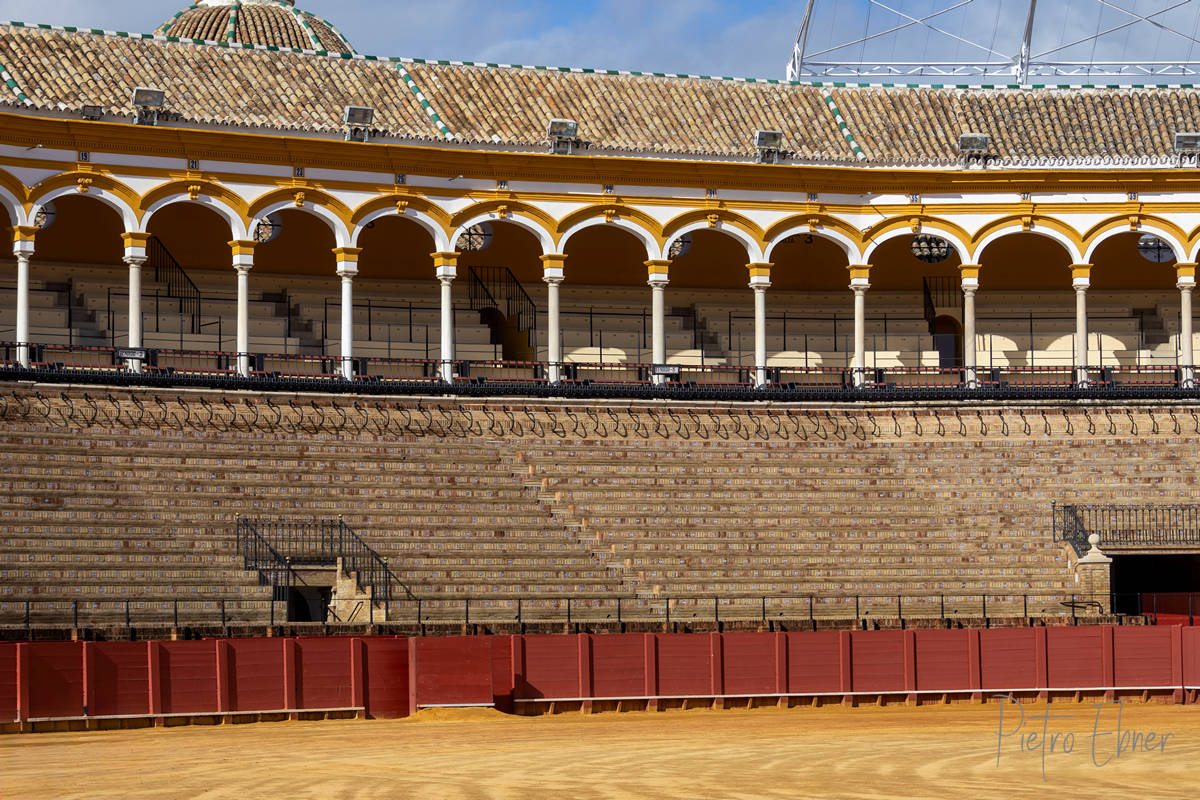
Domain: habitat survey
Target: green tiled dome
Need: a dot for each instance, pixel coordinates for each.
(273, 23)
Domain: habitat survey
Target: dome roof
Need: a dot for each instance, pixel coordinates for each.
(272, 23)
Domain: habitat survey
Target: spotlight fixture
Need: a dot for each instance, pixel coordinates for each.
(44, 217)
(769, 145)
(563, 136)
(147, 104)
(974, 150)
(92, 113)
(930, 249)
(358, 120)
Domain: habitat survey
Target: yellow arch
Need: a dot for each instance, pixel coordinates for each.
(641, 218)
(184, 187)
(84, 180)
(310, 195)
(1026, 223)
(414, 202)
(822, 220)
(725, 216)
(926, 221)
(546, 222)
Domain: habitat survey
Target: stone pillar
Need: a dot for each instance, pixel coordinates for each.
(658, 275)
(135, 256)
(553, 266)
(860, 281)
(760, 281)
(1080, 280)
(446, 267)
(347, 268)
(1185, 281)
(1093, 576)
(243, 262)
(970, 284)
(23, 244)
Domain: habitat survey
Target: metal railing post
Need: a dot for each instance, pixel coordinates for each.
(75, 613)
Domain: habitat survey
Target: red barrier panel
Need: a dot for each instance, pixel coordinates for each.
(1142, 656)
(943, 660)
(1011, 658)
(117, 679)
(1075, 657)
(8, 682)
(1190, 662)
(56, 673)
(877, 660)
(256, 675)
(552, 666)
(748, 660)
(188, 676)
(323, 673)
(455, 670)
(619, 666)
(684, 662)
(814, 662)
(386, 668)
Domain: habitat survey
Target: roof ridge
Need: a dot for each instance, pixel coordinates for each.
(843, 126)
(11, 83)
(577, 70)
(424, 101)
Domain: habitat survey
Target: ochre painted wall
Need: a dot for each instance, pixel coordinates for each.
(85, 231)
(396, 248)
(197, 237)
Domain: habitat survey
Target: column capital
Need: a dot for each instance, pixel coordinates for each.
(445, 265)
(243, 254)
(347, 260)
(859, 272)
(969, 271)
(553, 266)
(135, 239)
(135, 260)
(23, 235)
(1185, 273)
(658, 271)
(760, 274)
(1081, 275)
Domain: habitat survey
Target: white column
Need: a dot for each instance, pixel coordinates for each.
(1185, 282)
(347, 323)
(970, 285)
(1080, 280)
(23, 250)
(658, 272)
(243, 321)
(553, 272)
(446, 268)
(135, 257)
(860, 282)
(760, 281)
(243, 262)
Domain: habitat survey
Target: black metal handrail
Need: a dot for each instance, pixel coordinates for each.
(179, 285)
(273, 569)
(498, 288)
(320, 543)
(1127, 525)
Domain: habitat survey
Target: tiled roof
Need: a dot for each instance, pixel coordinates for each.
(221, 85)
(273, 23)
(263, 87)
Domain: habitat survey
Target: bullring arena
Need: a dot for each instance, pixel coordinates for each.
(432, 429)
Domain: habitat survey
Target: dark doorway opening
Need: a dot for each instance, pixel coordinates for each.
(309, 603)
(947, 340)
(1167, 585)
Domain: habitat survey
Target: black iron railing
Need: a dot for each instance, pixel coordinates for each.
(273, 568)
(320, 543)
(168, 272)
(498, 288)
(1127, 526)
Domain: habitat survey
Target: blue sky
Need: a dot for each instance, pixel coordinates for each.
(718, 37)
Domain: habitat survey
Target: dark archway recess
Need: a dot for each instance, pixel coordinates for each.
(948, 341)
(1161, 584)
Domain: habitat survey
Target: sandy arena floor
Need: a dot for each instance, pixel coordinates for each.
(929, 752)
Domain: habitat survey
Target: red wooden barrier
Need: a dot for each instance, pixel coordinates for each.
(387, 676)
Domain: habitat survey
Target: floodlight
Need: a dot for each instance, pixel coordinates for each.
(1187, 142)
(1154, 249)
(930, 249)
(92, 113)
(768, 140)
(148, 98)
(563, 129)
(974, 143)
(358, 115)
